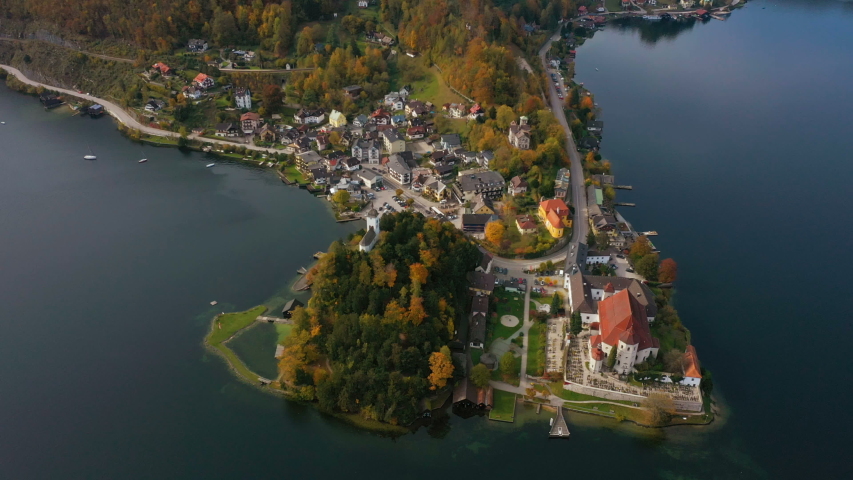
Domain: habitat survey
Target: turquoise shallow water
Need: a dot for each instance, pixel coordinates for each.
(734, 135)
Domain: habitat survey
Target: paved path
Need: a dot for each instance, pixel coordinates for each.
(127, 119)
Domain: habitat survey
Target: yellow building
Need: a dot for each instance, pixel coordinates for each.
(555, 215)
(337, 119)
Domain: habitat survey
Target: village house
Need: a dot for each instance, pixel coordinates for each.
(485, 157)
(482, 205)
(370, 178)
(243, 98)
(437, 190)
(413, 133)
(350, 164)
(154, 105)
(162, 69)
(476, 112)
(395, 102)
(455, 110)
(307, 160)
(623, 326)
(353, 91)
(366, 151)
(309, 116)
(400, 167)
(488, 183)
(586, 291)
(481, 283)
(517, 186)
(595, 127)
(203, 81)
(337, 119)
(443, 170)
(250, 122)
(686, 3)
(519, 134)
(399, 120)
(416, 109)
(479, 318)
(360, 121)
(227, 130)
(451, 142)
(267, 133)
(555, 215)
(191, 92)
(197, 45)
(392, 141)
(322, 142)
(525, 224)
(380, 117)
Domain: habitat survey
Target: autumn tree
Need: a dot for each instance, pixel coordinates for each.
(641, 248)
(418, 273)
(441, 368)
(602, 240)
(507, 365)
(341, 197)
(647, 266)
(481, 375)
(659, 409)
(272, 98)
(495, 232)
(668, 271)
(505, 116)
(673, 361)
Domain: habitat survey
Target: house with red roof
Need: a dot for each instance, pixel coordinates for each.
(203, 81)
(555, 215)
(163, 69)
(623, 326)
(692, 371)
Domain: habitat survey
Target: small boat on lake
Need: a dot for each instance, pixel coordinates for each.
(143, 160)
(210, 165)
(90, 156)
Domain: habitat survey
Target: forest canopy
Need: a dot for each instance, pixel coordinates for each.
(383, 320)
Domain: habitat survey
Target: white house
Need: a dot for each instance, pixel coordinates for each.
(368, 241)
(393, 142)
(307, 116)
(366, 151)
(243, 98)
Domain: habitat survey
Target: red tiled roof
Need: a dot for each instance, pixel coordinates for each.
(555, 205)
(597, 354)
(250, 116)
(691, 363)
(623, 318)
(594, 326)
(554, 219)
(200, 78)
(609, 287)
(595, 341)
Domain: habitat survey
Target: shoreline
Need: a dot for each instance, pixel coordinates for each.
(127, 125)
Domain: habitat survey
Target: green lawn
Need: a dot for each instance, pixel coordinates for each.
(283, 331)
(293, 174)
(558, 390)
(513, 380)
(536, 349)
(432, 88)
(476, 353)
(231, 323)
(503, 409)
(508, 304)
(613, 5)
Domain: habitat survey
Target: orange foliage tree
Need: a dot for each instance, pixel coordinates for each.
(668, 271)
(495, 232)
(441, 368)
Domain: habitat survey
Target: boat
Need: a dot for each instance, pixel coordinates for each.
(90, 156)
(210, 165)
(2, 123)
(143, 160)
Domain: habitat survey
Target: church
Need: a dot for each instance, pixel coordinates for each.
(371, 236)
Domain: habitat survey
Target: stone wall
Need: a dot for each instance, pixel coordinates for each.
(680, 405)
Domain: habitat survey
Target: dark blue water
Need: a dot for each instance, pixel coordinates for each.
(734, 134)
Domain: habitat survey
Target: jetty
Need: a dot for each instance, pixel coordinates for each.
(623, 187)
(319, 255)
(302, 271)
(650, 233)
(559, 429)
(302, 284)
(625, 204)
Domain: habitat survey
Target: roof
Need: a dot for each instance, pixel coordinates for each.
(476, 218)
(368, 237)
(451, 139)
(481, 281)
(691, 363)
(582, 285)
(292, 304)
(555, 205)
(200, 78)
(485, 258)
(473, 181)
(554, 219)
(465, 391)
(391, 135)
(250, 116)
(623, 319)
(597, 354)
(517, 182)
(524, 222)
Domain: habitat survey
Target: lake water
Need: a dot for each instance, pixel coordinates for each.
(735, 136)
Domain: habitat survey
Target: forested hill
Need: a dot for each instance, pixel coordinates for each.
(383, 319)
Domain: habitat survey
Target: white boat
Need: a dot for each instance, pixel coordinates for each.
(2, 123)
(143, 160)
(90, 156)
(210, 165)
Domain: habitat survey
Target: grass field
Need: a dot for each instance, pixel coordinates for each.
(504, 408)
(432, 88)
(508, 304)
(283, 331)
(536, 349)
(224, 328)
(293, 174)
(558, 390)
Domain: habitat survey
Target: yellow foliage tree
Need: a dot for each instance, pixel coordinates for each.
(441, 370)
(495, 232)
(418, 273)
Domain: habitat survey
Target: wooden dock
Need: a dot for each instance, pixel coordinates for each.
(319, 255)
(559, 429)
(625, 204)
(623, 187)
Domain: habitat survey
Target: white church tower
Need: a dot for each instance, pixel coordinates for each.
(372, 235)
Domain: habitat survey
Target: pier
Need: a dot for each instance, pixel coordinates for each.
(302, 271)
(650, 233)
(623, 187)
(319, 255)
(625, 204)
(559, 429)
